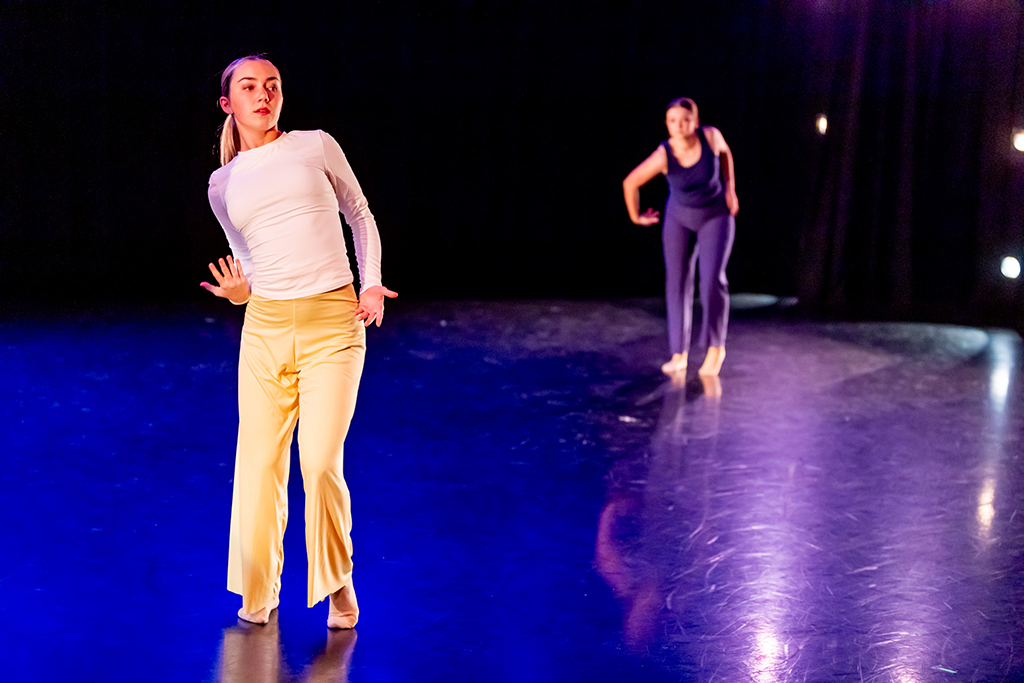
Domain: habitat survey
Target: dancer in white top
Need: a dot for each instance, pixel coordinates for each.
(277, 197)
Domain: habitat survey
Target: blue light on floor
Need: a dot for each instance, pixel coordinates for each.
(532, 501)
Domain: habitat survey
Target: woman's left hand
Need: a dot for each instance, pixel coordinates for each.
(732, 202)
(371, 304)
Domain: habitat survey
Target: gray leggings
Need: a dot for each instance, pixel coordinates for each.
(689, 233)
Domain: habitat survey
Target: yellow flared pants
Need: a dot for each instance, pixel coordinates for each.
(300, 359)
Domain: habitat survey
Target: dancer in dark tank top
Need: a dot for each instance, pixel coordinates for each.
(699, 226)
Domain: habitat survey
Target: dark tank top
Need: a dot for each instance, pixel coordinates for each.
(700, 184)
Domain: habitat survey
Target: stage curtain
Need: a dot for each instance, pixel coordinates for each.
(916, 191)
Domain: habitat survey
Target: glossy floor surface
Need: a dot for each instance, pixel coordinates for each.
(533, 501)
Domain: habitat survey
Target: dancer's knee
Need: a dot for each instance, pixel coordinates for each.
(320, 464)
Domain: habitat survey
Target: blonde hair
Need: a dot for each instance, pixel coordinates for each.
(229, 141)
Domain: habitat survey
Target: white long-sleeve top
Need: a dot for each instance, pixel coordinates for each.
(278, 205)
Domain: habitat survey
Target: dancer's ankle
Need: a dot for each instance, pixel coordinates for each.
(344, 610)
(713, 361)
(676, 365)
(261, 616)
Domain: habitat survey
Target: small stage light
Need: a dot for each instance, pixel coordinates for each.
(822, 124)
(1018, 139)
(1010, 267)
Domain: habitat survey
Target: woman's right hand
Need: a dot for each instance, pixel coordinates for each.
(231, 281)
(648, 217)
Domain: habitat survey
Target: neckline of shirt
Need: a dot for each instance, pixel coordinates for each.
(280, 137)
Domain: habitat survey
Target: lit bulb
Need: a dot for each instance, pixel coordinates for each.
(822, 124)
(1018, 139)
(1010, 267)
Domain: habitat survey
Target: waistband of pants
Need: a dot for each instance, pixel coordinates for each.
(345, 293)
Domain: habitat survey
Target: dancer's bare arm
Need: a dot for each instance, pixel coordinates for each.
(721, 148)
(652, 166)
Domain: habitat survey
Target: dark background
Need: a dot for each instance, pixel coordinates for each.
(491, 139)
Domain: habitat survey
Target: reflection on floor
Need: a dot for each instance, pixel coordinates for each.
(533, 501)
(252, 654)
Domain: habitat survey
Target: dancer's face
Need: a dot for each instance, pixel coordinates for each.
(254, 96)
(681, 122)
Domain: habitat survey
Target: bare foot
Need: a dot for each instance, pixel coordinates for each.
(344, 612)
(676, 365)
(713, 361)
(262, 616)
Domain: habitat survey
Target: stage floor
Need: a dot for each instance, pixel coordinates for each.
(533, 501)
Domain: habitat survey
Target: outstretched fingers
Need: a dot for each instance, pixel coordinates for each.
(371, 304)
(231, 281)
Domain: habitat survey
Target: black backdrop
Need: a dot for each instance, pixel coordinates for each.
(491, 139)
(919, 194)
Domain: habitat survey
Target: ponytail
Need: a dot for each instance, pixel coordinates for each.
(229, 142)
